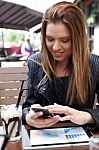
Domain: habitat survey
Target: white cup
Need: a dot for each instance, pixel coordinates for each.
(94, 143)
(10, 114)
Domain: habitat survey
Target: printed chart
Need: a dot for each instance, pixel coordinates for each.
(58, 136)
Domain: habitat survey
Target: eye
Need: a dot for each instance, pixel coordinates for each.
(66, 40)
(50, 39)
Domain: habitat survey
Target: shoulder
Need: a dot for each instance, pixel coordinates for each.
(94, 63)
(35, 57)
(34, 61)
(94, 60)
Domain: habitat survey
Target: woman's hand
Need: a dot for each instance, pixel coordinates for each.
(75, 116)
(34, 119)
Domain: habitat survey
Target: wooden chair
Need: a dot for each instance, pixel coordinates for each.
(11, 79)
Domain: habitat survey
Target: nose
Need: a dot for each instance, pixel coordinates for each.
(56, 46)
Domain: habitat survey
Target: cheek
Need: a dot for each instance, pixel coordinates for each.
(49, 45)
(68, 48)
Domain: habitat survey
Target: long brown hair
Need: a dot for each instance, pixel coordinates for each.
(72, 16)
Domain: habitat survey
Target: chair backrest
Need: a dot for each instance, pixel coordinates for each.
(11, 79)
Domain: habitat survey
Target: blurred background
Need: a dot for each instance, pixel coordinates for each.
(20, 32)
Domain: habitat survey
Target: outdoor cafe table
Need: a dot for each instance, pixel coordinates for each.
(26, 142)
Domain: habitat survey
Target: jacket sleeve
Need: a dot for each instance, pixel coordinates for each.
(95, 72)
(32, 80)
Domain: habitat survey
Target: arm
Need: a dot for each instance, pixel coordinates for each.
(30, 96)
(89, 117)
(97, 91)
(29, 116)
(95, 112)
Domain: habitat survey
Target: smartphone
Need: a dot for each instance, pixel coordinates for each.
(46, 113)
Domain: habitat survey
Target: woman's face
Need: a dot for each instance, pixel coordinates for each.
(58, 41)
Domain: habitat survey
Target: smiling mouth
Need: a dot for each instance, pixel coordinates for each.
(57, 54)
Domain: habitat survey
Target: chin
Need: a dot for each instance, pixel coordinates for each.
(59, 58)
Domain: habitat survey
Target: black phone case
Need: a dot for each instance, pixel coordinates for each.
(46, 113)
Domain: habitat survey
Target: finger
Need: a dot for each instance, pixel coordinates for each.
(52, 123)
(59, 110)
(34, 115)
(49, 106)
(46, 122)
(68, 117)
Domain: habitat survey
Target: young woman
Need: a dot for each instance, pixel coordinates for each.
(64, 77)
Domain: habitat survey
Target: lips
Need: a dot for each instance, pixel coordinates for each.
(57, 54)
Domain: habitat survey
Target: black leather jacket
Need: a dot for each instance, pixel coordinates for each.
(43, 95)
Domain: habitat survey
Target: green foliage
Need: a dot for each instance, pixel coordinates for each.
(14, 36)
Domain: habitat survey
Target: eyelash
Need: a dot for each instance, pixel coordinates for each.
(49, 39)
(64, 41)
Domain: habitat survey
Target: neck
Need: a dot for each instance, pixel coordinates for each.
(63, 68)
(61, 71)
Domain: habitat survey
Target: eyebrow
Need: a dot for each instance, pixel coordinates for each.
(68, 36)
